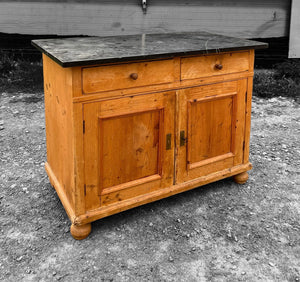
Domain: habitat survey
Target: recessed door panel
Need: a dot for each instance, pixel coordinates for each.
(126, 149)
(210, 128)
(130, 147)
(213, 119)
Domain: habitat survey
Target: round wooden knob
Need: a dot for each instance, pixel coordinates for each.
(218, 66)
(134, 76)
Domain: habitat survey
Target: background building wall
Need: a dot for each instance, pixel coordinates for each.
(294, 46)
(242, 18)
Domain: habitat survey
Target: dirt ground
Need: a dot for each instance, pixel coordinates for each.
(218, 232)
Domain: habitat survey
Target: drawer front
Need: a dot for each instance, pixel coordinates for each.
(210, 65)
(114, 77)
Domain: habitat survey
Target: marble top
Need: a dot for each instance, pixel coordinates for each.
(81, 51)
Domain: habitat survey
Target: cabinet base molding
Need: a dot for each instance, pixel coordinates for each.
(60, 192)
(81, 226)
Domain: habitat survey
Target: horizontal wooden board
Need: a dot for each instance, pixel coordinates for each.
(105, 78)
(247, 19)
(294, 49)
(120, 206)
(275, 3)
(196, 67)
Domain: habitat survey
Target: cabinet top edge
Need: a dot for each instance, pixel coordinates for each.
(84, 51)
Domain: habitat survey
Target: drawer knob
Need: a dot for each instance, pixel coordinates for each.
(134, 76)
(218, 66)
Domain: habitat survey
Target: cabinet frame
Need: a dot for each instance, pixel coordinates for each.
(68, 177)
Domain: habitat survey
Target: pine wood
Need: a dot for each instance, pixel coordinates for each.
(111, 77)
(69, 208)
(207, 65)
(80, 96)
(241, 178)
(80, 232)
(114, 150)
(118, 207)
(59, 124)
(125, 140)
(213, 118)
(248, 111)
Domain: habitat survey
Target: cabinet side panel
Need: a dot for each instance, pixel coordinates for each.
(248, 110)
(248, 120)
(59, 125)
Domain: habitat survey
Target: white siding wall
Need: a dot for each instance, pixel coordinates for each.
(242, 18)
(294, 50)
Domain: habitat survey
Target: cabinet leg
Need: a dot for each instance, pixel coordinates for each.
(80, 232)
(241, 178)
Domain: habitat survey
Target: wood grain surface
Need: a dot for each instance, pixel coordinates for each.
(108, 152)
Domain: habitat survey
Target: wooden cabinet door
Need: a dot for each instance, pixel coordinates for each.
(128, 147)
(211, 128)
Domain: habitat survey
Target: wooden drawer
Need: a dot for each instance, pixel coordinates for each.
(122, 76)
(210, 65)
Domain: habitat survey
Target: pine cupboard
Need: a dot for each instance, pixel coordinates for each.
(134, 119)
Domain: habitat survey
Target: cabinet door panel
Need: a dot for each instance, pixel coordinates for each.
(213, 117)
(125, 147)
(130, 147)
(210, 128)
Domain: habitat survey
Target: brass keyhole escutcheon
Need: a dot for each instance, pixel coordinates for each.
(168, 141)
(182, 138)
(134, 76)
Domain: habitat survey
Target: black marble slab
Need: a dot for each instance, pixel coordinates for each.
(81, 51)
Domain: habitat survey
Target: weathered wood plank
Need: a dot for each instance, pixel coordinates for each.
(294, 49)
(248, 19)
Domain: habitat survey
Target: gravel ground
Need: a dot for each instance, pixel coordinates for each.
(218, 232)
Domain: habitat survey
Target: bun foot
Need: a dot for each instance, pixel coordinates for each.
(241, 178)
(80, 232)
